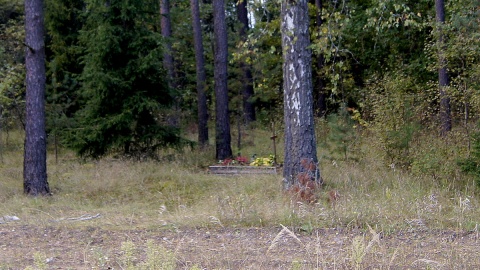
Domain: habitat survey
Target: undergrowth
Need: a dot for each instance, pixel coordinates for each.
(360, 189)
(178, 191)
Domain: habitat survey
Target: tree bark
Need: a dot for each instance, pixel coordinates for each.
(201, 77)
(319, 95)
(247, 82)
(445, 111)
(300, 146)
(168, 61)
(35, 154)
(167, 33)
(222, 121)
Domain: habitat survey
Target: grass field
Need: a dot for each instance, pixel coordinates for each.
(173, 214)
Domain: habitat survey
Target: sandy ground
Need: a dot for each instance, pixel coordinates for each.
(77, 247)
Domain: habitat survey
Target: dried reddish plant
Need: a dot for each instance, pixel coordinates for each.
(306, 184)
(333, 196)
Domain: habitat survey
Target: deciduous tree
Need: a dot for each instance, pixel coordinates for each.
(300, 162)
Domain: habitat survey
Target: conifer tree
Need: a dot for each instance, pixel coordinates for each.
(123, 86)
(201, 76)
(222, 127)
(35, 153)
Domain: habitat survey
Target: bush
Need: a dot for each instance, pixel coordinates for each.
(471, 165)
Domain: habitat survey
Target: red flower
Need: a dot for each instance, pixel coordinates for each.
(241, 160)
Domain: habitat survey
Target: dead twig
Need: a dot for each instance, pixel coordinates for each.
(80, 218)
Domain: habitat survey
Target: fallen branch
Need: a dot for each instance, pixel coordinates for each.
(81, 218)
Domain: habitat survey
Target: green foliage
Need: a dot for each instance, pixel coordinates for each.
(393, 102)
(105, 78)
(262, 50)
(396, 33)
(438, 158)
(12, 68)
(461, 49)
(123, 87)
(342, 134)
(471, 165)
(328, 40)
(185, 93)
(10, 10)
(63, 21)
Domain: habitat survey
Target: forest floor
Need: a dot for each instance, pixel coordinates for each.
(86, 247)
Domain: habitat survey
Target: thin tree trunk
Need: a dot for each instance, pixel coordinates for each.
(445, 111)
(320, 99)
(300, 160)
(167, 33)
(222, 126)
(201, 77)
(247, 83)
(35, 153)
(168, 61)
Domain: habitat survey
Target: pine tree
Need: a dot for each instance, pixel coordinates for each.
(222, 127)
(201, 76)
(35, 153)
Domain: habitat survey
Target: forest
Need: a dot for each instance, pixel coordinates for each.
(124, 78)
(376, 101)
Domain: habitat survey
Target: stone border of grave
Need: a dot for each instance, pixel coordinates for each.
(234, 170)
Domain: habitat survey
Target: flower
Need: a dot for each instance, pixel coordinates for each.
(263, 161)
(227, 161)
(242, 160)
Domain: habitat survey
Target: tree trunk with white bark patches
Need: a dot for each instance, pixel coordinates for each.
(300, 162)
(35, 153)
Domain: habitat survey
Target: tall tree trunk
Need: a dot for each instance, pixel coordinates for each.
(319, 95)
(167, 33)
(35, 153)
(168, 61)
(300, 147)
(201, 77)
(247, 83)
(222, 121)
(445, 112)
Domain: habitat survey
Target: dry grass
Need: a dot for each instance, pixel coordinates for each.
(375, 204)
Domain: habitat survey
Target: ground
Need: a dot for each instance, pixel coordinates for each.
(70, 246)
